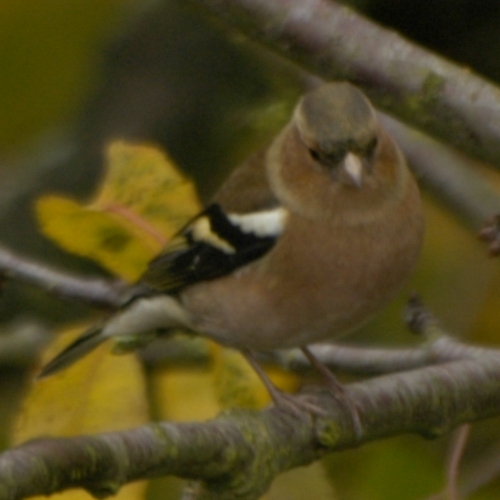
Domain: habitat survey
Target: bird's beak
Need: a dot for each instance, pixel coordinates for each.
(353, 170)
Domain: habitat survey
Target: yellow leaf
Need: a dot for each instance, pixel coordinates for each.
(145, 181)
(302, 482)
(100, 393)
(96, 235)
(237, 384)
(143, 201)
(184, 393)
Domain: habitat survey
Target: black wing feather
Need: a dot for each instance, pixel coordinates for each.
(186, 261)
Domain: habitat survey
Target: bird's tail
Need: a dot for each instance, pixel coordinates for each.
(77, 349)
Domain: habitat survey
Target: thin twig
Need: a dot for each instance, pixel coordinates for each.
(439, 347)
(365, 361)
(95, 291)
(456, 454)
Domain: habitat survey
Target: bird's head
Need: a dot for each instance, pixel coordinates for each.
(337, 124)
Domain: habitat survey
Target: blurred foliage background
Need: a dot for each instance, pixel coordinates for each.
(75, 75)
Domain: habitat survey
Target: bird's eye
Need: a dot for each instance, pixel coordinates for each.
(314, 154)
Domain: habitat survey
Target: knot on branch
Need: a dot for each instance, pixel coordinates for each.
(417, 317)
(491, 234)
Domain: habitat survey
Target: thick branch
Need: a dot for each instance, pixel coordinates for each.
(239, 453)
(402, 78)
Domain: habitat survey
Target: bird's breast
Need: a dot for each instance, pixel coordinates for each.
(320, 280)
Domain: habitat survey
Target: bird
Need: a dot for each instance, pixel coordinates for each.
(305, 241)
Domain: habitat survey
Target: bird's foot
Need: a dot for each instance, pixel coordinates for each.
(295, 404)
(338, 391)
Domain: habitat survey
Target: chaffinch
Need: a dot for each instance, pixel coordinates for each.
(304, 241)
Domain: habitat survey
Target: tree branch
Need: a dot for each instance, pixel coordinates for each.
(334, 42)
(453, 178)
(95, 291)
(438, 348)
(364, 361)
(238, 454)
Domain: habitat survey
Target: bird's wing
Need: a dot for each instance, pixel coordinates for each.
(241, 225)
(214, 244)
